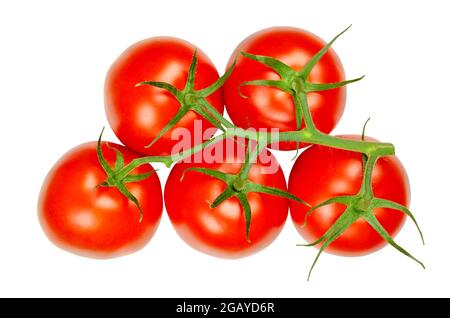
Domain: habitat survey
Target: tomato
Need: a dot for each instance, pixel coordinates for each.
(267, 107)
(93, 221)
(221, 231)
(321, 173)
(138, 114)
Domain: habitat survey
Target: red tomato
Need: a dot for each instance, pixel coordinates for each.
(220, 231)
(321, 173)
(96, 221)
(138, 114)
(268, 107)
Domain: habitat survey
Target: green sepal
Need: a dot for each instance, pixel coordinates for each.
(205, 92)
(138, 177)
(189, 87)
(180, 114)
(343, 223)
(373, 221)
(102, 159)
(225, 177)
(123, 189)
(225, 195)
(346, 200)
(259, 188)
(247, 212)
(266, 83)
(318, 87)
(282, 69)
(120, 161)
(316, 58)
(382, 203)
(166, 86)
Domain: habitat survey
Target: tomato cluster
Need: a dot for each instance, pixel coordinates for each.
(104, 200)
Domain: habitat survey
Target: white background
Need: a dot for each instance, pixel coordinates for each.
(53, 59)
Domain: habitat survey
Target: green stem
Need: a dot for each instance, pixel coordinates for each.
(168, 160)
(319, 138)
(301, 102)
(366, 187)
(252, 155)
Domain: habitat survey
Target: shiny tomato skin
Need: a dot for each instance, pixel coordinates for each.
(267, 107)
(97, 222)
(220, 231)
(138, 114)
(321, 173)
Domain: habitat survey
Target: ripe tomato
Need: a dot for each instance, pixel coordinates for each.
(138, 114)
(321, 173)
(96, 221)
(220, 231)
(267, 107)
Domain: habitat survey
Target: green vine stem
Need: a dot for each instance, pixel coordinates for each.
(319, 138)
(294, 83)
(316, 137)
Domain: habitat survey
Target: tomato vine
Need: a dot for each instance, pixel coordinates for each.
(294, 83)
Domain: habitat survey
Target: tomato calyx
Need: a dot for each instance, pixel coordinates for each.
(361, 205)
(294, 82)
(113, 179)
(298, 85)
(191, 99)
(238, 185)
